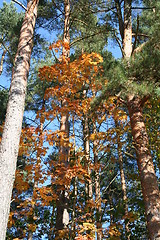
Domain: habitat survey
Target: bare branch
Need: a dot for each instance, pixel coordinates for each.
(85, 37)
(111, 182)
(139, 48)
(57, 7)
(78, 20)
(3, 87)
(119, 43)
(130, 155)
(20, 4)
(143, 8)
(7, 50)
(140, 35)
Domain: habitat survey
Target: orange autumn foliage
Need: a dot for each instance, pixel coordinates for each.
(69, 79)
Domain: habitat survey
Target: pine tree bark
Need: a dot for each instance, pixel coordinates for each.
(62, 216)
(15, 108)
(127, 40)
(150, 190)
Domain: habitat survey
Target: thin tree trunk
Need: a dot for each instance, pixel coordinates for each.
(123, 181)
(62, 217)
(86, 134)
(150, 190)
(37, 170)
(88, 182)
(51, 225)
(89, 192)
(110, 200)
(73, 234)
(97, 189)
(15, 108)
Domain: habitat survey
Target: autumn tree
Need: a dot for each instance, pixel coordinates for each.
(91, 165)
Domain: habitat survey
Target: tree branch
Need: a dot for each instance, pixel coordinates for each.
(135, 41)
(2, 60)
(85, 37)
(143, 8)
(144, 99)
(20, 4)
(120, 19)
(7, 50)
(3, 87)
(139, 48)
(130, 155)
(119, 43)
(140, 35)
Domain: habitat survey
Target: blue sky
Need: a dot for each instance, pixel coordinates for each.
(8, 1)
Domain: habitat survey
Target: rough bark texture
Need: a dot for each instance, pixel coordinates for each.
(15, 108)
(148, 177)
(62, 217)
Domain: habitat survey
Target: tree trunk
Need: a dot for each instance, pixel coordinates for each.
(148, 177)
(15, 108)
(30, 235)
(89, 192)
(97, 189)
(62, 217)
(88, 182)
(123, 181)
(73, 227)
(127, 40)
(37, 171)
(51, 225)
